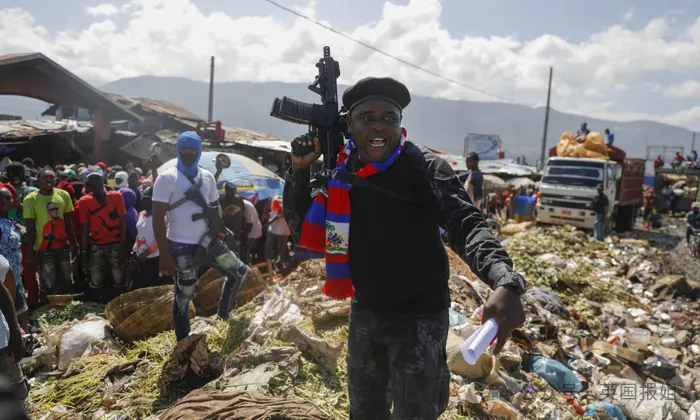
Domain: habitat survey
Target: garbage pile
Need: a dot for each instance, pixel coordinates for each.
(610, 334)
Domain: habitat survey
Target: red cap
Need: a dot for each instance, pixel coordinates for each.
(101, 165)
(11, 189)
(66, 186)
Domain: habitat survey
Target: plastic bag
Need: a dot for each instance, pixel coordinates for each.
(456, 318)
(641, 408)
(548, 300)
(76, 340)
(596, 410)
(557, 375)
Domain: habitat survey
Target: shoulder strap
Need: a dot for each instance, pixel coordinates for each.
(184, 199)
(356, 181)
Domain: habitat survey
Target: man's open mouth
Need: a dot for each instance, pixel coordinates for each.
(377, 142)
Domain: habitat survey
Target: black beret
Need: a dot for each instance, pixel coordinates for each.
(384, 88)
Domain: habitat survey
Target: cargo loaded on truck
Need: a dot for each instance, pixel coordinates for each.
(569, 184)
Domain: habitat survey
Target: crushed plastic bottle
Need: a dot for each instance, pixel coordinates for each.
(638, 338)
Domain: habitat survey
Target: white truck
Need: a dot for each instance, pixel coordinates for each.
(569, 185)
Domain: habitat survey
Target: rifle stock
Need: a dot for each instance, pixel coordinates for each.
(324, 120)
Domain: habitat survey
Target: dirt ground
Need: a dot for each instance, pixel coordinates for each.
(671, 237)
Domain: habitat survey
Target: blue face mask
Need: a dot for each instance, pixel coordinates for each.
(188, 140)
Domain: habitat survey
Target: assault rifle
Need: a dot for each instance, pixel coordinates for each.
(324, 120)
(210, 213)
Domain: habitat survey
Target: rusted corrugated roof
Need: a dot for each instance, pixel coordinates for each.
(25, 128)
(156, 106)
(234, 134)
(36, 76)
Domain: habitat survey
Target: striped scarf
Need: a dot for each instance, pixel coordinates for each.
(326, 227)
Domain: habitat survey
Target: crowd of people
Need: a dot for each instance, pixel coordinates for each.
(690, 161)
(88, 229)
(92, 231)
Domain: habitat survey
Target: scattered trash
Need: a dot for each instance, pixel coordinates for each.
(601, 319)
(599, 410)
(557, 375)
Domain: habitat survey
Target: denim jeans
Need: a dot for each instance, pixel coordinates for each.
(106, 256)
(219, 257)
(599, 227)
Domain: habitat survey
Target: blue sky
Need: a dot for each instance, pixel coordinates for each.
(616, 58)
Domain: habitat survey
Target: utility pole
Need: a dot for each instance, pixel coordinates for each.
(211, 91)
(546, 120)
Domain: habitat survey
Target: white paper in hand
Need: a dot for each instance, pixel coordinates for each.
(474, 346)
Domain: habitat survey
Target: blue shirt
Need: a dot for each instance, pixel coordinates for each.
(609, 139)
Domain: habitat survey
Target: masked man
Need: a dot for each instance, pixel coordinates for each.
(383, 249)
(184, 193)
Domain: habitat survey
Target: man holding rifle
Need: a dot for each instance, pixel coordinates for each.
(392, 201)
(195, 232)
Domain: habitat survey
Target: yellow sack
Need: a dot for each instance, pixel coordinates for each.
(567, 135)
(566, 147)
(594, 142)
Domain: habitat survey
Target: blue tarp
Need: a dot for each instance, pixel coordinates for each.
(649, 181)
(524, 205)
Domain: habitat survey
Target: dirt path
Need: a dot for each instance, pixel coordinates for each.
(671, 238)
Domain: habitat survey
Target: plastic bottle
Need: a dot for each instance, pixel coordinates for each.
(638, 338)
(668, 342)
(474, 346)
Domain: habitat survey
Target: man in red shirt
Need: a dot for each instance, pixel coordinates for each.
(103, 220)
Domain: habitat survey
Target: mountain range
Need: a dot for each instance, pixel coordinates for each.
(440, 123)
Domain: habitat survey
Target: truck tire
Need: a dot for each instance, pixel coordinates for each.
(625, 218)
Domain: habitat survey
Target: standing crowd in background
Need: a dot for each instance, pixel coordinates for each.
(88, 231)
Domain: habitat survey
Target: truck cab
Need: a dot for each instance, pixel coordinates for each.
(568, 187)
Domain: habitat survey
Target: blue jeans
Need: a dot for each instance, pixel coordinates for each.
(599, 228)
(188, 262)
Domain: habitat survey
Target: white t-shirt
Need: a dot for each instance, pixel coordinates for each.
(251, 216)
(278, 225)
(170, 187)
(4, 327)
(145, 237)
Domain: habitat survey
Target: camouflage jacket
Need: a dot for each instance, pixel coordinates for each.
(467, 231)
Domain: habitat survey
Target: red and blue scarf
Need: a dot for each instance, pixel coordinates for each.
(326, 227)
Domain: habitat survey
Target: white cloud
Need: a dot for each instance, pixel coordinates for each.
(628, 16)
(175, 38)
(104, 9)
(688, 89)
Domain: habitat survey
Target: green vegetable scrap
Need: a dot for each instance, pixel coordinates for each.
(51, 316)
(81, 389)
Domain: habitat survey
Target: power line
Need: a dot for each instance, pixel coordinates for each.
(400, 60)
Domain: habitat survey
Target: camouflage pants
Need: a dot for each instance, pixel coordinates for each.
(399, 359)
